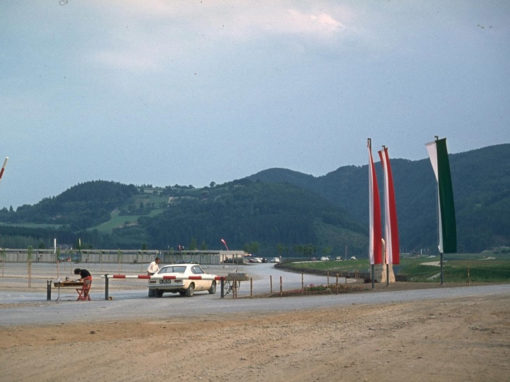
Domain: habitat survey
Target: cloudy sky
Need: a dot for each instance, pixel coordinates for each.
(188, 92)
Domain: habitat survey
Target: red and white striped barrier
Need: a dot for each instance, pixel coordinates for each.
(117, 276)
(165, 277)
(169, 277)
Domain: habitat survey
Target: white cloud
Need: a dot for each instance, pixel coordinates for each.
(161, 8)
(129, 60)
(141, 35)
(278, 20)
(320, 24)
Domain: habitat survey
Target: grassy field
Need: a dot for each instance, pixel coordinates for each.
(117, 221)
(486, 267)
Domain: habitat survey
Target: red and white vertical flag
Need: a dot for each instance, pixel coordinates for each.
(224, 243)
(374, 208)
(390, 211)
(438, 154)
(3, 167)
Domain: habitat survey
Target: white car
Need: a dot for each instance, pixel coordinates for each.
(185, 279)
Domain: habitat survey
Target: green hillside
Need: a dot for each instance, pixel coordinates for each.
(262, 217)
(481, 184)
(276, 211)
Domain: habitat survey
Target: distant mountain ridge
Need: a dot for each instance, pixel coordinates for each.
(276, 211)
(481, 185)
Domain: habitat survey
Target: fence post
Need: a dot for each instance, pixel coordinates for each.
(251, 287)
(29, 265)
(302, 283)
(48, 290)
(281, 286)
(222, 283)
(337, 283)
(106, 287)
(2, 254)
(271, 284)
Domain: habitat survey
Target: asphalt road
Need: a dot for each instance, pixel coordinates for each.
(135, 305)
(265, 277)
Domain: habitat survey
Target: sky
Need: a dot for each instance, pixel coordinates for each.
(190, 92)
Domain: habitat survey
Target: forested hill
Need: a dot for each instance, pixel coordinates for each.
(259, 217)
(481, 184)
(276, 211)
(79, 207)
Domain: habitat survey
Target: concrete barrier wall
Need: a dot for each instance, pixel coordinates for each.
(117, 256)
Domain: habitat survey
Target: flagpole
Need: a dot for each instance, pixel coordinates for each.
(387, 274)
(385, 254)
(369, 144)
(440, 236)
(441, 262)
(440, 230)
(438, 155)
(3, 167)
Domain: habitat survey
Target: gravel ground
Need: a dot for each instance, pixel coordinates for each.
(394, 333)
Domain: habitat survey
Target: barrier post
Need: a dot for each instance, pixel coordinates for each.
(270, 284)
(222, 283)
(281, 286)
(106, 287)
(337, 283)
(48, 290)
(251, 287)
(302, 282)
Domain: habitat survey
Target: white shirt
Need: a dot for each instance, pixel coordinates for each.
(153, 267)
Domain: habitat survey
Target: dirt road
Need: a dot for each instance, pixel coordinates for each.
(455, 339)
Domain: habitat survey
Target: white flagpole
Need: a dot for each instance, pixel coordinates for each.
(371, 254)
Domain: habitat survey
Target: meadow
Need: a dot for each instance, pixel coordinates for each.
(486, 267)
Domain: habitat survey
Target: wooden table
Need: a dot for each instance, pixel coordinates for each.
(67, 284)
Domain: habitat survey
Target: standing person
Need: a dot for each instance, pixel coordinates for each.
(86, 278)
(153, 267)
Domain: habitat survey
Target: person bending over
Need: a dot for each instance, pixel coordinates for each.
(86, 279)
(84, 274)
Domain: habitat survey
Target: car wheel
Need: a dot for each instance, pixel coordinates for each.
(212, 289)
(159, 293)
(151, 293)
(190, 290)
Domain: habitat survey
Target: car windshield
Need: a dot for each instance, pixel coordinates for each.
(176, 269)
(197, 270)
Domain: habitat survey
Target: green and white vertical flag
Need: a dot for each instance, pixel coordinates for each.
(438, 155)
